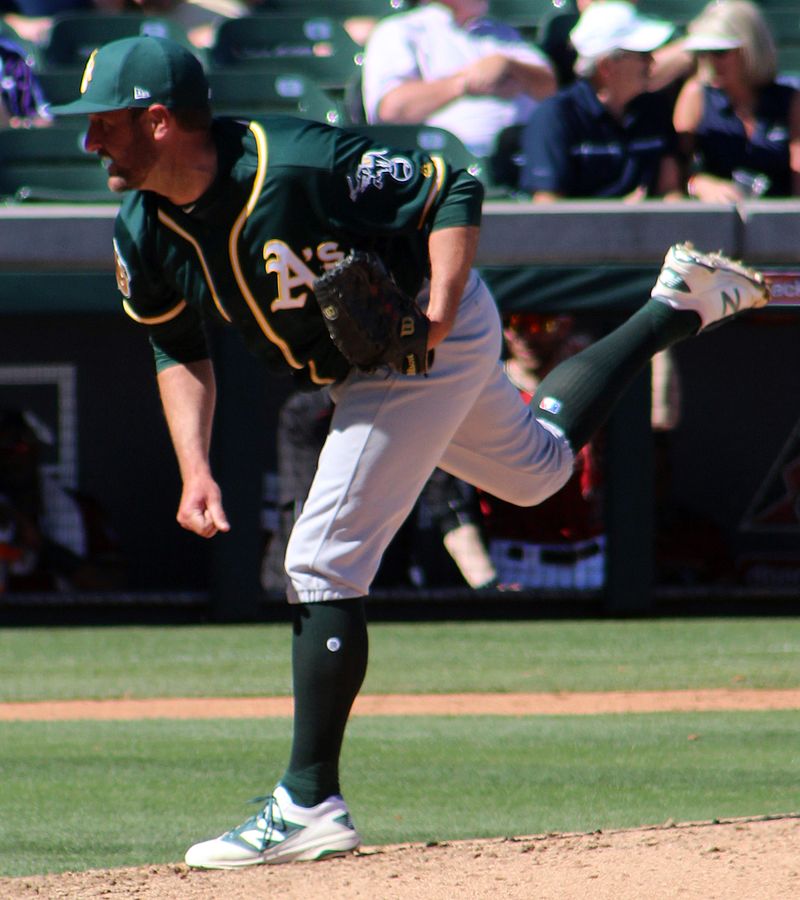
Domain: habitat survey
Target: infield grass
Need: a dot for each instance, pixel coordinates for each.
(253, 660)
(97, 794)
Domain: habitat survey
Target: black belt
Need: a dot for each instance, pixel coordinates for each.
(565, 557)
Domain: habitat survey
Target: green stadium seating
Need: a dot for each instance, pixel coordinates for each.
(784, 23)
(525, 14)
(789, 60)
(50, 164)
(338, 9)
(319, 48)
(678, 12)
(74, 36)
(246, 93)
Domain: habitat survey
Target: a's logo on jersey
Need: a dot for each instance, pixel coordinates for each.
(291, 272)
(88, 72)
(294, 278)
(123, 273)
(375, 167)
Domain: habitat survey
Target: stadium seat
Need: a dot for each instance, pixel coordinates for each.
(427, 138)
(7, 32)
(525, 14)
(50, 164)
(60, 86)
(784, 22)
(504, 163)
(74, 36)
(789, 62)
(245, 93)
(319, 48)
(679, 12)
(338, 9)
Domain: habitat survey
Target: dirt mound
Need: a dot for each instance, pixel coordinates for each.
(735, 860)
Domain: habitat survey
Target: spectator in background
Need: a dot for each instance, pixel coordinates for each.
(559, 543)
(447, 65)
(22, 101)
(51, 538)
(198, 18)
(605, 136)
(671, 62)
(32, 19)
(740, 126)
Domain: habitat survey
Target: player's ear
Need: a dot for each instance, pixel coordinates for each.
(161, 120)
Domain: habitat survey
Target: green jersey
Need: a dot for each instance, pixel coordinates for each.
(290, 199)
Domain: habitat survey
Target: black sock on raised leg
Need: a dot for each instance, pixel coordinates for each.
(580, 393)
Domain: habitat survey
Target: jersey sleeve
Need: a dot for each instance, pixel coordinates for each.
(175, 330)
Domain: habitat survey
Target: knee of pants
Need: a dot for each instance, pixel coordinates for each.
(536, 489)
(545, 475)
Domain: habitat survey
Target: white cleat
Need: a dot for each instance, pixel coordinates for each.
(281, 832)
(709, 284)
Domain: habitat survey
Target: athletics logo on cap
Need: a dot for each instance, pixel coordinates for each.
(88, 72)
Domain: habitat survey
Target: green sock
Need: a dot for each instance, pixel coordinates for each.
(579, 394)
(329, 661)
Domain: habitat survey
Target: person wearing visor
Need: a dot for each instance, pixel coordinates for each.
(235, 221)
(604, 135)
(739, 125)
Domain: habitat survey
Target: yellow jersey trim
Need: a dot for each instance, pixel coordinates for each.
(155, 320)
(173, 225)
(439, 165)
(233, 240)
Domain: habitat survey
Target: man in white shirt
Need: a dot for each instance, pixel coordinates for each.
(447, 65)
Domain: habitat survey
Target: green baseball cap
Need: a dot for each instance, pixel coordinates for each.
(137, 72)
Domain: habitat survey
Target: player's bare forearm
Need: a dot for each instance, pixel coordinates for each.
(452, 252)
(188, 395)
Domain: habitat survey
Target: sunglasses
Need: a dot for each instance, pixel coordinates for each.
(715, 53)
(527, 324)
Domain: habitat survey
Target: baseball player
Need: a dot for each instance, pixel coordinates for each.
(235, 220)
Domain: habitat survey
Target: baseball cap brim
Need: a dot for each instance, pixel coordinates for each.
(646, 37)
(698, 42)
(81, 107)
(609, 26)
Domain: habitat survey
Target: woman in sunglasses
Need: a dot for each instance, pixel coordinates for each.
(739, 125)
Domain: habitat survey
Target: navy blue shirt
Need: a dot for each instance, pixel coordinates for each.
(724, 149)
(573, 146)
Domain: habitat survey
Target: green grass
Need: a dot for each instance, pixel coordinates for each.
(76, 795)
(251, 660)
(84, 795)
